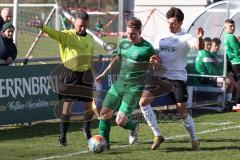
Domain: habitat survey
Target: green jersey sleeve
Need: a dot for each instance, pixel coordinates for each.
(199, 65)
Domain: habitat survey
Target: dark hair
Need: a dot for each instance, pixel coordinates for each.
(134, 23)
(83, 16)
(229, 21)
(216, 40)
(207, 39)
(175, 12)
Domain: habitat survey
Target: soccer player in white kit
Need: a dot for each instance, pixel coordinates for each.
(172, 51)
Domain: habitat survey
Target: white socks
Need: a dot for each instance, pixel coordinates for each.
(189, 125)
(150, 117)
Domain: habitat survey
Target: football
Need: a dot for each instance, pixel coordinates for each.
(97, 144)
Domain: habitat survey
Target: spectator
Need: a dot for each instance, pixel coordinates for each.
(8, 50)
(232, 48)
(98, 27)
(5, 16)
(207, 63)
(216, 42)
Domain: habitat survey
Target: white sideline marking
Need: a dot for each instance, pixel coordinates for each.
(173, 137)
(215, 123)
(78, 153)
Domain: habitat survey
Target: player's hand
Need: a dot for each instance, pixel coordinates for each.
(99, 78)
(154, 59)
(38, 23)
(199, 32)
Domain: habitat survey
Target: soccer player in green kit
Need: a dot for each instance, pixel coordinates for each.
(134, 55)
(232, 48)
(206, 62)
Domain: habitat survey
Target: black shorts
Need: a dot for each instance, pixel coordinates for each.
(73, 85)
(180, 93)
(158, 87)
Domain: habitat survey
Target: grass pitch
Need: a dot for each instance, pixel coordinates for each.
(219, 135)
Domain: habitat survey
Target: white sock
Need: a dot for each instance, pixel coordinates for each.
(229, 97)
(189, 125)
(150, 117)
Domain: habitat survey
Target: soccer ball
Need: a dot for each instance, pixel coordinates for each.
(97, 144)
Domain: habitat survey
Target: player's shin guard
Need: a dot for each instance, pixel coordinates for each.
(151, 119)
(189, 125)
(104, 129)
(64, 124)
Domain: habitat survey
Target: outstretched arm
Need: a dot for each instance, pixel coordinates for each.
(57, 35)
(199, 44)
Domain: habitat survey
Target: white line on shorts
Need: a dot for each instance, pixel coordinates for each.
(123, 146)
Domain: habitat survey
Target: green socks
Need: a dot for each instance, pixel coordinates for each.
(130, 125)
(104, 128)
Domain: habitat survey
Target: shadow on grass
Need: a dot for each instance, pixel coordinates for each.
(40, 130)
(178, 143)
(43, 129)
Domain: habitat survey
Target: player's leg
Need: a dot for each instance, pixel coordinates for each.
(129, 103)
(236, 69)
(149, 116)
(105, 123)
(64, 122)
(154, 89)
(110, 104)
(229, 89)
(181, 96)
(88, 114)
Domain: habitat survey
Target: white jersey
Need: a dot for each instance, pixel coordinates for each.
(173, 49)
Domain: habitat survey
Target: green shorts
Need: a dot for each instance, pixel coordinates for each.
(123, 98)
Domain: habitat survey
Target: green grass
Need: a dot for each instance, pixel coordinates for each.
(47, 47)
(40, 140)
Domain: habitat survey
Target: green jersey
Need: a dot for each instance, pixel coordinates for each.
(98, 26)
(135, 60)
(207, 63)
(232, 47)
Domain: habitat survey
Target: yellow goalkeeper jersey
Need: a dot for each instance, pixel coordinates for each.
(76, 51)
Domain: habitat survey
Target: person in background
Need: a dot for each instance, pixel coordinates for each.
(230, 81)
(5, 16)
(99, 27)
(208, 63)
(232, 49)
(8, 50)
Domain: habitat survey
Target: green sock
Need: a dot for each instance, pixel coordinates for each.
(130, 125)
(104, 128)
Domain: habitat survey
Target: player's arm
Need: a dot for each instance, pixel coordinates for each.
(235, 45)
(57, 35)
(113, 64)
(199, 44)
